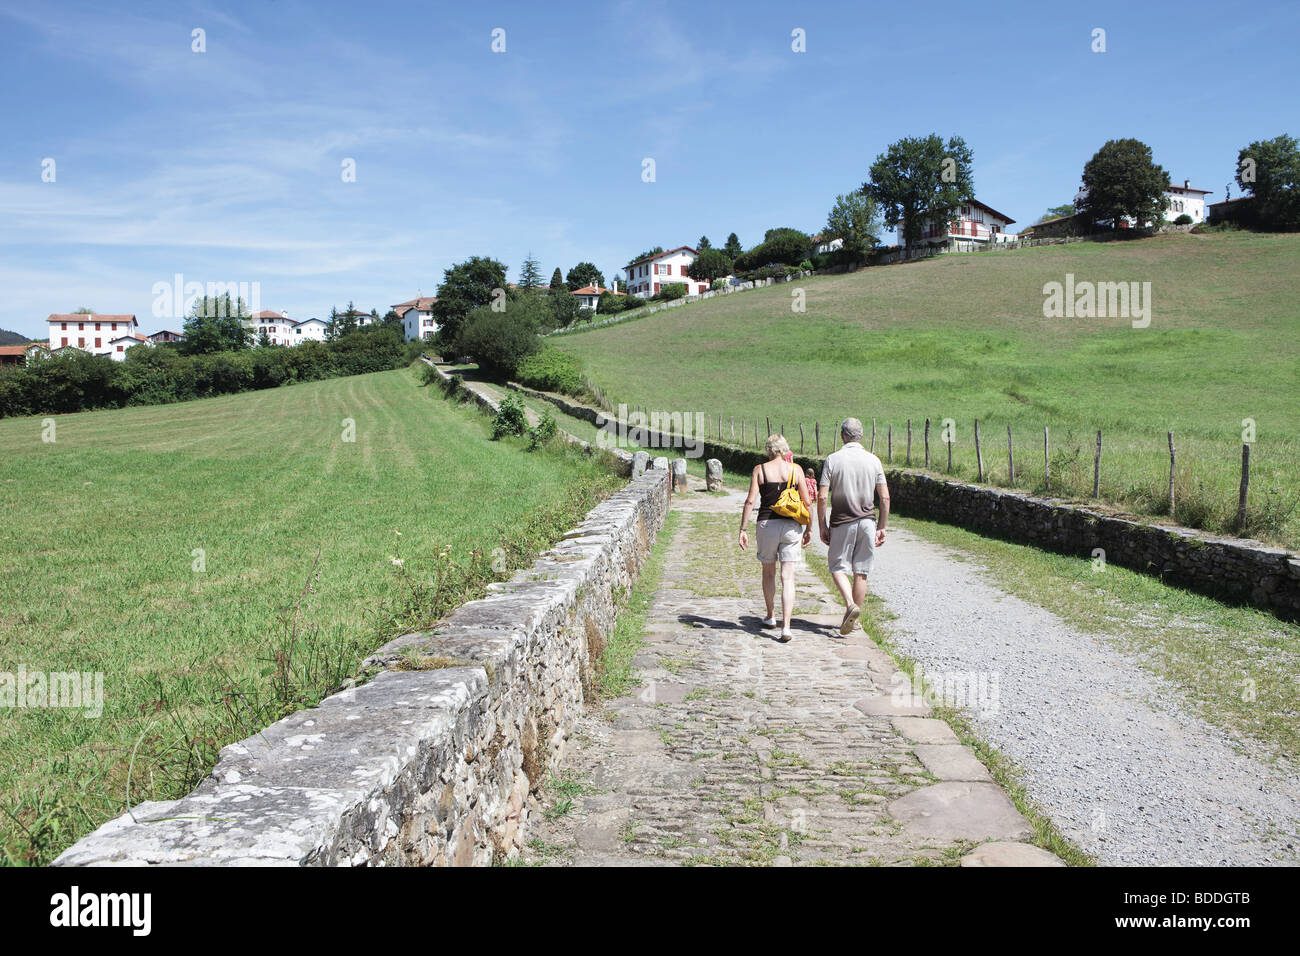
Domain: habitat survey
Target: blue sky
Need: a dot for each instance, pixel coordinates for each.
(226, 165)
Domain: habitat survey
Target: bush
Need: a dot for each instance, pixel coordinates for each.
(543, 432)
(1183, 220)
(806, 266)
(669, 291)
(552, 370)
(511, 419)
(499, 341)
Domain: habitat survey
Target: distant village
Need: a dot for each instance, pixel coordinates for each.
(975, 225)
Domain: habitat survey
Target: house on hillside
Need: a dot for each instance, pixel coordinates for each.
(417, 318)
(89, 332)
(13, 355)
(647, 275)
(166, 335)
(277, 326)
(309, 330)
(823, 244)
(974, 224)
(1179, 200)
(35, 351)
(120, 344)
(589, 296)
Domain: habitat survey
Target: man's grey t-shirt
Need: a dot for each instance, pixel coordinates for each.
(852, 474)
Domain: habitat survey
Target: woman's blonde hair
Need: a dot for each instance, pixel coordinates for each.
(776, 446)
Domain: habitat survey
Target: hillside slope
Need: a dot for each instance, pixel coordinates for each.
(965, 337)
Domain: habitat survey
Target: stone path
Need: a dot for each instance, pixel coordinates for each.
(738, 749)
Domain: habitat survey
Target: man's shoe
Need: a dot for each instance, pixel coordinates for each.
(850, 620)
(769, 621)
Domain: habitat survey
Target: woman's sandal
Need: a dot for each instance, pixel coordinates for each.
(785, 636)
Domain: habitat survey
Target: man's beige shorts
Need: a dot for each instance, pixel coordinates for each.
(853, 547)
(779, 539)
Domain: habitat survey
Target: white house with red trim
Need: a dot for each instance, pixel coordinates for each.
(1184, 200)
(649, 274)
(277, 326)
(974, 224)
(417, 317)
(89, 332)
(166, 335)
(589, 296)
(309, 330)
(120, 344)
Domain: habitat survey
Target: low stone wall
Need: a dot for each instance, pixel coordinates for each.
(1232, 569)
(435, 760)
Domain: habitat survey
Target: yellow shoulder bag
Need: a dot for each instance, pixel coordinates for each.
(790, 504)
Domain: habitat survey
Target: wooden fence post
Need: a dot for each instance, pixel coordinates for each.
(1171, 474)
(817, 437)
(1096, 468)
(1047, 463)
(769, 426)
(835, 439)
(873, 436)
(801, 438)
(891, 442)
(1011, 460)
(949, 441)
(927, 444)
(733, 428)
(1245, 485)
(979, 455)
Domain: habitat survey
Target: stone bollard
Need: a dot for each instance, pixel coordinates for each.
(640, 462)
(713, 475)
(660, 464)
(679, 474)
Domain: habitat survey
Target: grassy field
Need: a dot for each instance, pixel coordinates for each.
(963, 337)
(224, 561)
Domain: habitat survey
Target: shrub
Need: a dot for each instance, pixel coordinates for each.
(669, 291)
(500, 341)
(543, 432)
(511, 419)
(429, 375)
(806, 266)
(1183, 220)
(552, 370)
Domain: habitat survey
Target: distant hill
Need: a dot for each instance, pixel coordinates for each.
(12, 338)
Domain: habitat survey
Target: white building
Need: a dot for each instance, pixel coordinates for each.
(167, 335)
(647, 275)
(417, 318)
(589, 296)
(120, 344)
(1184, 200)
(973, 224)
(277, 326)
(89, 332)
(825, 244)
(309, 330)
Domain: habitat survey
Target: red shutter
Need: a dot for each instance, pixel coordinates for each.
(97, 344)
(65, 338)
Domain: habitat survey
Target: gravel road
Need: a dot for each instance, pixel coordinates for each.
(1109, 752)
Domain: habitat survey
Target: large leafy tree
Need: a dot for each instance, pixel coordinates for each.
(781, 245)
(216, 324)
(530, 273)
(499, 341)
(584, 274)
(710, 264)
(1123, 180)
(564, 306)
(1056, 212)
(855, 219)
(1270, 171)
(919, 180)
(465, 286)
(733, 248)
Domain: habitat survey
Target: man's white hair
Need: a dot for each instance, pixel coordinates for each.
(851, 430)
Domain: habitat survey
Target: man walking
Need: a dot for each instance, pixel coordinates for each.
(851, 481)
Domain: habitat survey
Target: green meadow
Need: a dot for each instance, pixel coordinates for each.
(964, 337)
(225, 561)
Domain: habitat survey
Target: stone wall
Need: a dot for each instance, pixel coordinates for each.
(435, 761)
(1232, 569)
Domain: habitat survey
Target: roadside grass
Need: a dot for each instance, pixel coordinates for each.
(615, 675)
(223, 562)
(1239, 667)
(963, 337)
(1006, 774)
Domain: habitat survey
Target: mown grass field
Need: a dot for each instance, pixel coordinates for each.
(227, 560)
(963, 337)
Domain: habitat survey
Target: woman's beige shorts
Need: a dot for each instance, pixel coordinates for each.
(779, 540)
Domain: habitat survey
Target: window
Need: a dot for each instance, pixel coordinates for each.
(81, 326)
(65, 338)
(64, 329)
(97, 342)
(114, 326)
(121, 348)
(96, 326)
(81, 343)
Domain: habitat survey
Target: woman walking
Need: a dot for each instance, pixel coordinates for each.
(778, 536)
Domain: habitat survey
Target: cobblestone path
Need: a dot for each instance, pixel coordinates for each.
(737, 749)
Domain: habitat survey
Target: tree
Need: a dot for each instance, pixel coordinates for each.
(84, 310)
(920, 180)
(710, 264)
(564, 306)
(584, 274)
(216, 324)
(1122, 180)
(647, 254)
(1057, 212)
(530, 274)
(782, 245)
(854, 219)
(465, 286)
(499, 341)
(557, 279)
(345, 322)
(703, 245)
(1270, 171)
(733, 248)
